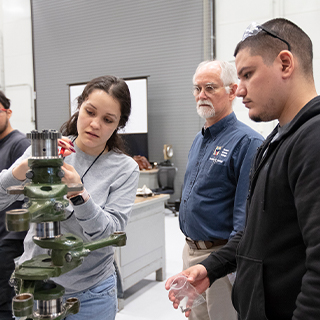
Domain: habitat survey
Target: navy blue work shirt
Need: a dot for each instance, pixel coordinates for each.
(217, 180)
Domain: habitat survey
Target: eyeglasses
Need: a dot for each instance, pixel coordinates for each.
(209, 90)
(254, 29)
(3, 110)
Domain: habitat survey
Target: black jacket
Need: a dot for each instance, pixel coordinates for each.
(278, 255)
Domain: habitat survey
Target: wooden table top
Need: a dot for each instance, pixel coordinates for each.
(144, 199)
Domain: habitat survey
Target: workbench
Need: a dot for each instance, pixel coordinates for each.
(144, 252)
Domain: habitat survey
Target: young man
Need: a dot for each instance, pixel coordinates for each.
(13, 143)
(277, 259)
(216, 182)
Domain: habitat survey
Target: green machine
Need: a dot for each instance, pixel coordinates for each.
(37, 296)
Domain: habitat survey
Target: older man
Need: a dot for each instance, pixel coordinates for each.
(216, 182)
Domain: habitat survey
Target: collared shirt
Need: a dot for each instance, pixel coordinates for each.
(217, 180)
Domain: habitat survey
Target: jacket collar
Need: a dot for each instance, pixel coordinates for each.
(311, 109)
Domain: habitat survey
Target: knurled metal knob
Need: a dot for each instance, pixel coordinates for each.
(60, 173)
(44, 144)
(44, 135)
(30, 174)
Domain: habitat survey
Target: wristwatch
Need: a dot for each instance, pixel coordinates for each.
(79, 198)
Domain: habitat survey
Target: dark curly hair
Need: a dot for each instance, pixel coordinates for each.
(4, 100)
(116, 88)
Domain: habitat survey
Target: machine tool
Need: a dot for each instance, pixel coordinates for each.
(37, 296)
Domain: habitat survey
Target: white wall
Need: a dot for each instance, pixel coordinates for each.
(234, 16)
(17, 68)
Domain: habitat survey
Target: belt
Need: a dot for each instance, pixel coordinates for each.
(202, 245)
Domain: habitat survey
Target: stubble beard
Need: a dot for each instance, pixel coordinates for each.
(4, 127)
(256, 118)
(267, 114)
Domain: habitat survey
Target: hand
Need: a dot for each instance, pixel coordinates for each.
(142, 162)
(67, 146)
(71, 176)
(19, 172)
(197, 276)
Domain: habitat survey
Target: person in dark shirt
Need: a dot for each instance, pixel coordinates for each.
(277, 254)
(13, 143)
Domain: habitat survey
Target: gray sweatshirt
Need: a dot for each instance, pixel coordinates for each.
(112, 182)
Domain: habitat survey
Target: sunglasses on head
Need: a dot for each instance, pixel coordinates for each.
(253, 29)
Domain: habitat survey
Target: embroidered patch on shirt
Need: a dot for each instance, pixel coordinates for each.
(219, 151)
(216, 151)
(224, 152)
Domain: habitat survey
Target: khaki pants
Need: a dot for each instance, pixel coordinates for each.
(218, 304)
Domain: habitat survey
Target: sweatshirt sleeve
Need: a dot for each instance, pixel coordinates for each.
(222, 262)
(8, 180)
(99, 222)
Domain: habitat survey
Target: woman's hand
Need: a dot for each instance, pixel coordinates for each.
(19, 172)
(71, 176)
(67, 146)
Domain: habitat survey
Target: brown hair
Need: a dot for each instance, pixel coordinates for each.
(116, 88)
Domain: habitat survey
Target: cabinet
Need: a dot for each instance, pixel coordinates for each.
(144, 252)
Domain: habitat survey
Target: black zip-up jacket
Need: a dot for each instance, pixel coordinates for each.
(277, 257)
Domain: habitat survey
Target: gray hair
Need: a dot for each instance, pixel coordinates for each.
(228, 72)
